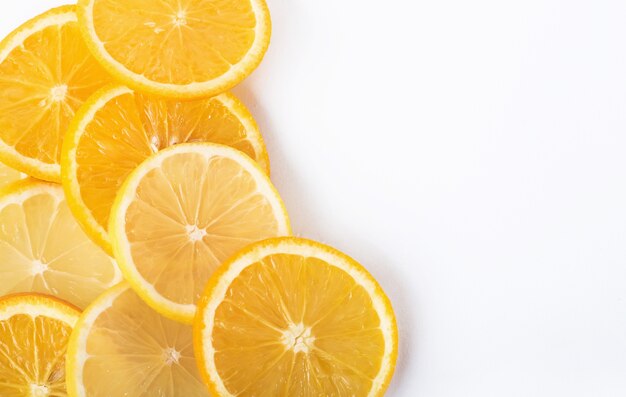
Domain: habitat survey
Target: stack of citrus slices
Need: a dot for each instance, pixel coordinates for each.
(145, 250)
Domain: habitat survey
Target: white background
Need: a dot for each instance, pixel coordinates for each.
(471, 154)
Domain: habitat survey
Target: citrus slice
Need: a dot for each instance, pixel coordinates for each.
(46, 73)
(117, 129)
(44, 250)
(34, 332)
(9, 175)
(177, 48)
(181, 213)
(122, 347)
(292, 317)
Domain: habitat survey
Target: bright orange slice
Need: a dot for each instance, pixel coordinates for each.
(44, 250)
(117, 129)
(182, 213)
(292, 317)
(177, 48)
(121, 347)
(46, 73)
(34, 332)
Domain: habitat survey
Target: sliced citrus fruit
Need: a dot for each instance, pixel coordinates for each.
(117, 129)
(293, 317)
(177, 48)
(122, 347)
(9, 175)
(34, 332)
(44, 250)
(46, 73)
(182, 212)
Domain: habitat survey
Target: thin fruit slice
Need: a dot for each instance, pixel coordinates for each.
(122, 347)
(182, 213)
(117, 129)
(9, 175)
(293, 317)
(46, 73)
(34, 332)
(177, 48)
(44, 250)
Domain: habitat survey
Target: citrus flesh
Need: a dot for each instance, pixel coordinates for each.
(184, 211)
(46, 73)
(177, 48)
(117, 129)
(44, 250)
(293, 317)
(9, 175)
(122, 347)
(34, 332)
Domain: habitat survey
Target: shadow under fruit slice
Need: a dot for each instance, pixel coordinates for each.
(34, 333)
(46, 73)
(117, 129)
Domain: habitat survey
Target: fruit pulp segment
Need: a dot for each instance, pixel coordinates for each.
(191, 214)
(176, 42)
(291, 325)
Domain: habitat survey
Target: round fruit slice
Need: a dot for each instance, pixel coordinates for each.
(182, 213)
(292, 317)
(177, 48)
(46, 73)
(44, 250)
(34, 332)
(117, 129)
(9, 175)
(122, 347)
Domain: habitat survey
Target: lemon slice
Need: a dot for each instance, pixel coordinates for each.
(9, 175)
(182, 213)
(121, 347)
(34, 332)
(117, 129)
(177, 48)
(44, 250)
(46, 73)
(292, 317)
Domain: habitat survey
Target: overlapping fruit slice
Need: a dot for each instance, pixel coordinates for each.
(46, 73)
(34, 332)
(122, 347)
(182, 212)
(9, 175)
(43, 249)
(292, 317)
(117, 129)
(177, 48)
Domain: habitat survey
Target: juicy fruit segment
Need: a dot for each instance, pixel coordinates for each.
(123, 128)
(46, 73)
(182, 213)
(293, 317)
(34, 332)
(9, 175)
(44, 250)
(176, 48)
(120, 338)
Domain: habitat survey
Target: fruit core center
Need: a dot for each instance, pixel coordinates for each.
(298, 338)
(38, 267)
(58, 93)
(171, 356)
(180, 18)
(195, 233)
(39, 391)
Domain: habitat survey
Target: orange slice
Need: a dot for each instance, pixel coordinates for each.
(177, 48)
(34, 332)
(292, 317)
(181, 213)
(117, 129)
(46, 73)
(121, 347)
(44, 250)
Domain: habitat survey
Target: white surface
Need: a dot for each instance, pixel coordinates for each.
(471, 155)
